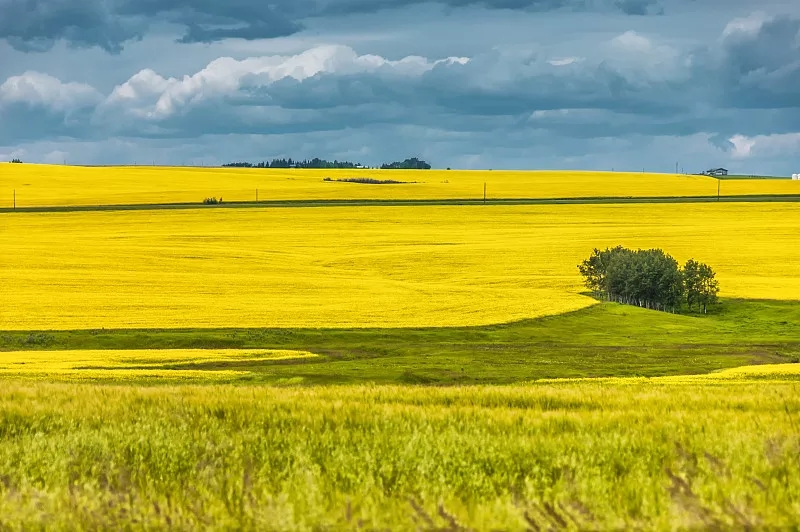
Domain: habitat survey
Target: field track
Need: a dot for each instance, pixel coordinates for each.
(762, 198)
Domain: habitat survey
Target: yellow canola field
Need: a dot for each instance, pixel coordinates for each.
(774, 373)
(43, 185)
(179, 364)
(362, 267)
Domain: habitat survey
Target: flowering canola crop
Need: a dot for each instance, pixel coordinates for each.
(179, 364)
(44, 185)
(362, 267)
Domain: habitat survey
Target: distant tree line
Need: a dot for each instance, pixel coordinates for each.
(292, 163)
(17, 161)
(408, 164)
(649, 278)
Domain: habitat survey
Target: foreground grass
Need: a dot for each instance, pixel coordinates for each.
(713, 452)
(601, 341)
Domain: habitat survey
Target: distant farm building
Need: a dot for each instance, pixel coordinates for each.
(716, 172)
(795, 177)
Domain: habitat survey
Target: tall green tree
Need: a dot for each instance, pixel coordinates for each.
(649, 278)
(700, 285)
(691, 283)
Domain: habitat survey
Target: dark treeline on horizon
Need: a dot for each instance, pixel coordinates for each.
(650, 279)
(409, 164)
(292, 163)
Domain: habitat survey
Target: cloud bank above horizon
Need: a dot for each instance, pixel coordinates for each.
(625, 84)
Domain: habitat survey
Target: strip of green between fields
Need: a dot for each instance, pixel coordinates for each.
(771, 198)
(606, 340)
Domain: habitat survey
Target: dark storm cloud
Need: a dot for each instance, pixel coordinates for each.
(211, 20)
(760, 66)
(35, 123)
(258, 30)
(639, 87)
(35, 25)
(472, 90)
(347, 7)
(522, 90)
(640, 7)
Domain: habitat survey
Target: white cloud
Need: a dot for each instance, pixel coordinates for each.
(549, 113)
(37, 89)
(644, 59)
(765, 145)
(749, 25)
(742, 146)
(564, 61)
(575, 114)
(632, 41)
(149, 95)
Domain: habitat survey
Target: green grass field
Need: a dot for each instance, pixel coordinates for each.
(601, 341)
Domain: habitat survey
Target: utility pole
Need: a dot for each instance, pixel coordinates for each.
(484, 193)
(15, 199)
(719, 183)
(256, 195)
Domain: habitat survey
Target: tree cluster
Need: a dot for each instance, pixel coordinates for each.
(17, 161)
(408, 164)
(649, 278)
(292, 163)
(316, 162)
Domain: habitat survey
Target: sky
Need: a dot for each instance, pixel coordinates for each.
(636, 85)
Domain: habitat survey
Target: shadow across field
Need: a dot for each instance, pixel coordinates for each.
(601, 341)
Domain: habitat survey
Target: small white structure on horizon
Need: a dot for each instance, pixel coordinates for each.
(795, 177)
(716, 172)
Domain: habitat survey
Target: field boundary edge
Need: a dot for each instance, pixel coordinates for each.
(610, 200)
